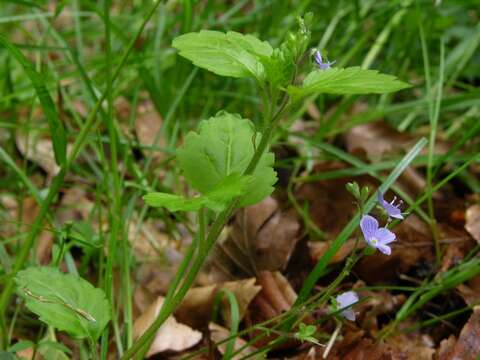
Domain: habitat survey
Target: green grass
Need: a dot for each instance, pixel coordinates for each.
(76, 64)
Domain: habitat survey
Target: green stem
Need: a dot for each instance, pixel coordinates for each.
(22, 256)
(169, 306)
(115, 198)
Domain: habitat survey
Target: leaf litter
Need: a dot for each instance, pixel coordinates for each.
(254, 259)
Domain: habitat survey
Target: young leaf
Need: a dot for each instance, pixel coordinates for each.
(224, 145)
(64, 301)
(232, 186)
(173, 202)
(227, 54)
(306, 332)
(352, 80)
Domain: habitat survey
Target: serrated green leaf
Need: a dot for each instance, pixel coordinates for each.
(227, 54)
(64, 301)
(224, 145)
(21, 345)
(4, 355)
(232, 186)
(352, 80)
(173, 202)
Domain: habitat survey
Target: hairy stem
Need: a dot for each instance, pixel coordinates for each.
(141, 345)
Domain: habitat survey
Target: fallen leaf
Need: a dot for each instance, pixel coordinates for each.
(200, 300)
(276, 291)
(401, 347)
(329, 203)
(275, 298)
(39, 150)
(172, 335)
(470, 291)
(453, 256)
(467, 346)
(76, 204)
(262, 237)
(219, 333)
(411, 346)
(472, 221)
(275, 241)
(148, 124)
(319, 248)
(158, 254)
(376, 139)
(445, 349)
(376, 306)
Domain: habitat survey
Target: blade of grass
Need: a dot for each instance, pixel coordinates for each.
(342, 155)
(234, 319)
(57, 182)
(57, 131)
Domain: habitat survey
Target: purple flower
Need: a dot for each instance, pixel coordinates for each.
(319, 61)
(390, 207)
(376, 237)
(344, 301)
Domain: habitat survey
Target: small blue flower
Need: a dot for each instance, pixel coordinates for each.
(376, 237)
(390, 207)
(344, 301)
(319, 61)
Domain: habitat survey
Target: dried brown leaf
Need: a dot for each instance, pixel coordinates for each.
(401, 347)
(39, 150)
(199, 301)
(219, 333)
(470, 291)
(445, 350)
(377, 304)
(148, 124)
(330, 205)
(319, 248)
(275, 241)
(376, 139)
(275, 298)
(262, 237)
(172, 335)
(467, 346)
(472, 221)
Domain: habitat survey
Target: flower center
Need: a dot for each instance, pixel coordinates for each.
(374, 241)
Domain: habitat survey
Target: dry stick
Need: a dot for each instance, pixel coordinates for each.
(332, 340)
(57, 183)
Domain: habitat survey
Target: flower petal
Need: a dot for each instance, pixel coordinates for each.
(380, 198)
(349, 314)
(346, 299)
(385, 249)
(369, 226)
(392, 210)
(384, 236)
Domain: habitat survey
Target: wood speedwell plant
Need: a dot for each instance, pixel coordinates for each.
(227, 161)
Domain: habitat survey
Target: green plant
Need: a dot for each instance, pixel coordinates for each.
(227, 160)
